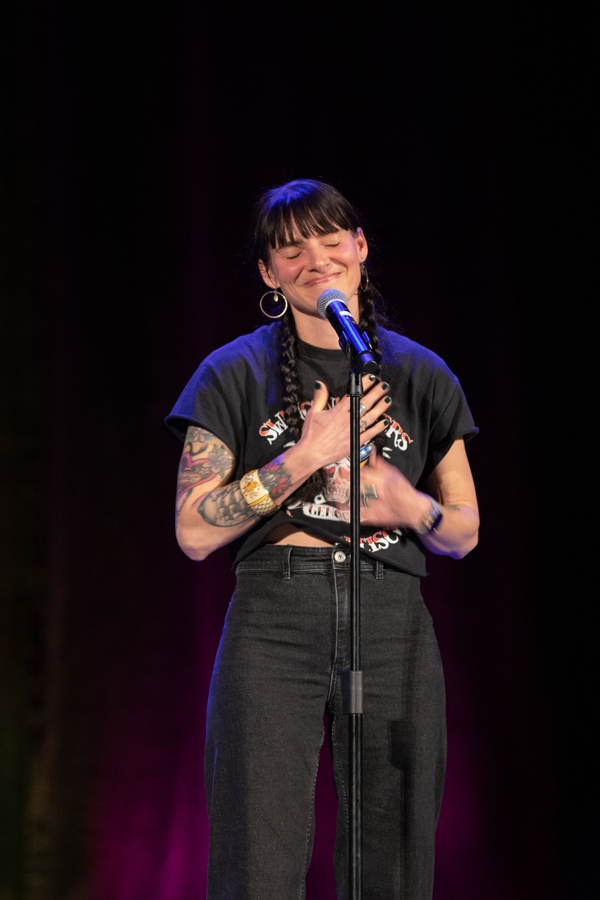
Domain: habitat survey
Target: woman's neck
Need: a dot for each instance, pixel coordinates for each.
(317, 331)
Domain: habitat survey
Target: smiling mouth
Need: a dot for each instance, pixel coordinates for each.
(323, 280)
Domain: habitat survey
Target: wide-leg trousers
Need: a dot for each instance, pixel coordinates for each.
(285, 643)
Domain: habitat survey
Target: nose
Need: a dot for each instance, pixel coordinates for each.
(318, 258)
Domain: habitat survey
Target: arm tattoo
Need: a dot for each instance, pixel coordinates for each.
(225, 507)
(275, 478)
(204, 457)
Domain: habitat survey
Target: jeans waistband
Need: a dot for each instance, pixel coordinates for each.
(288, 559)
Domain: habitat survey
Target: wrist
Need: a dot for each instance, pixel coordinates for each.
(300, 462)
(431, 515)
(256, 494)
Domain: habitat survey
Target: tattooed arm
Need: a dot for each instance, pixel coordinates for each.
(212, 512)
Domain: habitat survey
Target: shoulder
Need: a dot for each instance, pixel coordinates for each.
(227, 384)
(410, 358)
(241, 369)
(249, 351)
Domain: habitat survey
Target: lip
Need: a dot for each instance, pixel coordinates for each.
(324, 280)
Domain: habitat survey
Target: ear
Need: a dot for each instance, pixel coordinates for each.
(361, 243)
(266, 276)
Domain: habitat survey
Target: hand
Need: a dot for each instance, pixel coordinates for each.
(326, 432)
(398, 504)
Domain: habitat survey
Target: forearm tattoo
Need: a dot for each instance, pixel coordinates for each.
(204, 458)
(275, 478)
(225, 507)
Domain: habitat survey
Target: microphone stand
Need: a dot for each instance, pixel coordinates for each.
(333, 305)
(352, 683)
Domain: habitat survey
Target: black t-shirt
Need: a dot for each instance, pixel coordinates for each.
(236, 394)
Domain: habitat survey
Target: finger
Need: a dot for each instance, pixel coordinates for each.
(382, 407)
(375, 394)
(367, 472)
(321, 397)
(370, 417)
(374, 469)
(369, 381)
(370, 433)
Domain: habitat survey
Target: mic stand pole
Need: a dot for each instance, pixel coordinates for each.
(352, 685)
(333, 305)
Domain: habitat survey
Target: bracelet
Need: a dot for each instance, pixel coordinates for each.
(432, 517)
(256, 495)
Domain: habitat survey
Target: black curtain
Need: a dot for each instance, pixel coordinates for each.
(135, 139)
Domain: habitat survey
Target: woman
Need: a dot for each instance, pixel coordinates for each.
(264, 469)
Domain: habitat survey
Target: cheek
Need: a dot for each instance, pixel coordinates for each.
(351, 253)
(288, 272)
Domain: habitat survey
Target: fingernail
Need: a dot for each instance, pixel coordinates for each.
(385, 386)
(372, 378)
(386, 422)
(388, 399)
(317, 385)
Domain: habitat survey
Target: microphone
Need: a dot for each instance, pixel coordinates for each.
(333, 305)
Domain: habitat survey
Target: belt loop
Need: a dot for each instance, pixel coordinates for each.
(286, 569)
(378, 569)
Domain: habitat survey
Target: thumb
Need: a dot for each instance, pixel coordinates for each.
(321, 397)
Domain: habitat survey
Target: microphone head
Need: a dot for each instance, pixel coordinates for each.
(328, 297)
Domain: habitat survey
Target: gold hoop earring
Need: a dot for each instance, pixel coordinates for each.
(277, 296)
(364, 277)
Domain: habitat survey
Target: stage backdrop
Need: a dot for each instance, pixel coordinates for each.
(135, 141)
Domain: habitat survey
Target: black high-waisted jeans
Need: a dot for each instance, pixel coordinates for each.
(285, 642)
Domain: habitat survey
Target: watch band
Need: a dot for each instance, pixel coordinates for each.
(256, 495)
(431, 519)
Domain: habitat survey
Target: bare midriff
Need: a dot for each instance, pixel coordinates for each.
(287, 534)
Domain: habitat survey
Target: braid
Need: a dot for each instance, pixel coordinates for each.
(291, 380)
(292, 397)
(368, 320)
(369, 315)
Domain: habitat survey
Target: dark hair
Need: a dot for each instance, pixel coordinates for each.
(311, 207)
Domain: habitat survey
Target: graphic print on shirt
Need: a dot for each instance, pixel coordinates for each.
(334, 503)
(276, 425)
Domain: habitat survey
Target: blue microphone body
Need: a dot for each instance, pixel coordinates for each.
(333, 305)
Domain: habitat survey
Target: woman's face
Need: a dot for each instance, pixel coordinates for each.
(306, 267)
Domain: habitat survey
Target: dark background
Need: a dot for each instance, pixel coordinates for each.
(135, 139)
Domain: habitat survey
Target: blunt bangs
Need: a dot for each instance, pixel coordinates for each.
(310, 207)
